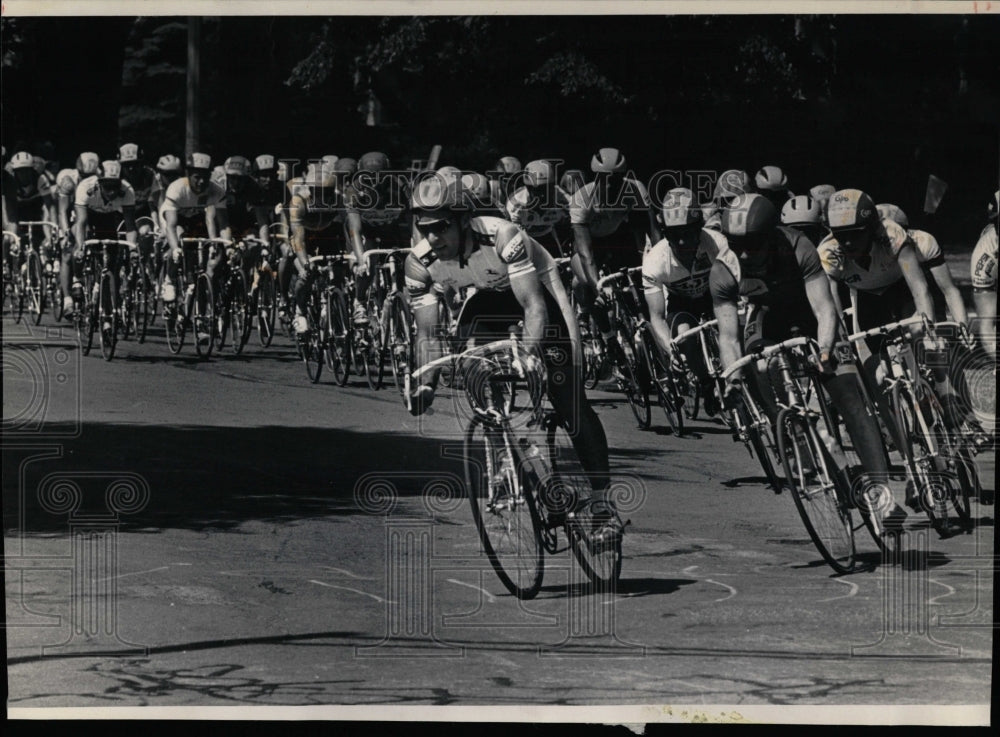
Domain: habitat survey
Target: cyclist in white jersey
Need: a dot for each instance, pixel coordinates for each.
(984, 280)
(675, 274)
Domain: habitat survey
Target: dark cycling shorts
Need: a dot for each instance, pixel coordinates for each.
(894, 304)
(688, 309)
(327, 242)
(777, 323)
(616, 251)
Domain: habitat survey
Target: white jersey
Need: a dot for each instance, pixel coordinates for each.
(182, 199)
(662, 270)
(587, 207)
(881, 273)
(500, 252)
(984, 260)
(89, 195)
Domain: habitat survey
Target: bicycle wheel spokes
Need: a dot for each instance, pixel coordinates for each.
(400, 341)
(35, 286)
(141, 300)
(823, 512)
(760, 442)
(504, 511)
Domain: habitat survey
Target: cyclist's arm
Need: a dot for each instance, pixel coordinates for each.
(354, 234)
(728, 318)
(128, 215)
(170, 226)
(527, 290)
(986, 318)
(80, 226)
(65, 204)
(835, 296)
(915, 280)
(658, 318)
(583, 245)
(953, 298)
(825, 309)
(261, 215)
(297, 234)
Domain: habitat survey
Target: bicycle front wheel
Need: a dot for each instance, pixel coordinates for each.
(237, 313)
(108, 313)
(400, 341)
(503, 509)
(267, 307)
(375, 339)
(759, 443)
(823, 511)
(631, 382)
(203, 317)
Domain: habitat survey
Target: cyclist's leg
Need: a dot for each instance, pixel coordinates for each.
(758, 333)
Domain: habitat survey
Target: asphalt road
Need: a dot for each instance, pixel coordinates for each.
(180, 532)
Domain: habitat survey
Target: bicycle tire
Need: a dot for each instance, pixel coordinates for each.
(823, 512)
(630, 382)
(126, 296)
(400, 341)
(267, 307)
(56, 297)
(173, 326)
(916, 448)
(237, 313)
(375, 339)
(141, 301)
(508, 523)
(107, 316)
(602, 564)
(35, 286)
(203, 316)
(666, 397)
(338, 337)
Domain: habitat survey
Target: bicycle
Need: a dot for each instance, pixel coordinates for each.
(11, 272)
(816, 469)
(232, 305)
(524, 482)
(370, 340)
(31, 274)
(138, 294)
(328, 339)
(625, 316)
(939, 466)
(661, 375)
(398, 330)
(202, 318)
(263, 303)
(104, 309)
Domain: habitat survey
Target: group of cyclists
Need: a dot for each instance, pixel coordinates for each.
(531, 244)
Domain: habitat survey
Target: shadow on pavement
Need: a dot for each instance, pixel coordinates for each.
(220, 477)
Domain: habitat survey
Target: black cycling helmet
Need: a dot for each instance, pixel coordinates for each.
(752, 214)
(373, 161)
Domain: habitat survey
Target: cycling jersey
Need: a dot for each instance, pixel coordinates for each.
(984, 260)
(89, 195)
(604, 218)
(36, 192)
(929, 253)
(500, 252)
(883, 269)
(241, 205)
(775, 276)
(662, 270)
(181, 199)
(538, 218)
(320, 237)
(144, 183)
(378, 208)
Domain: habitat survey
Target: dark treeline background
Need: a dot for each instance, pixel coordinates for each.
(877, 102)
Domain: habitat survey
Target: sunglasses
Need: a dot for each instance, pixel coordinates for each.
(436, 228)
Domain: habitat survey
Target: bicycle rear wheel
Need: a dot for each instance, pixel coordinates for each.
(203, 317)
(823, 511)
(600, 562)
(400, 340)
(337, 341)
(503, 508)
